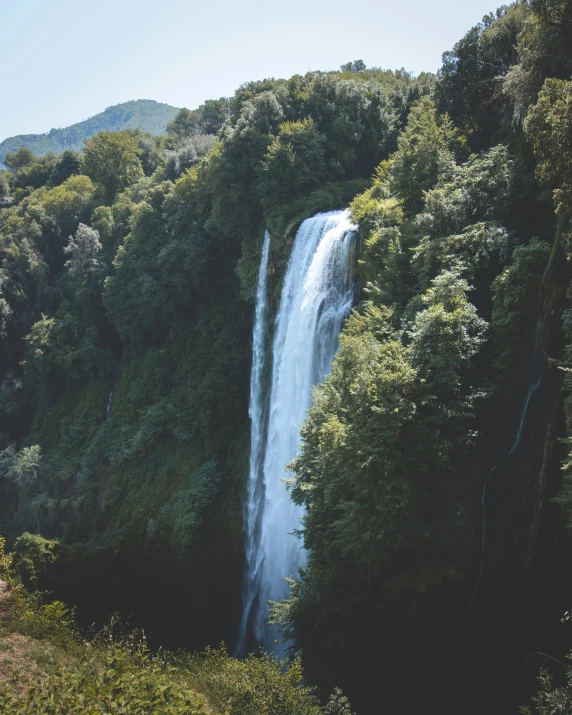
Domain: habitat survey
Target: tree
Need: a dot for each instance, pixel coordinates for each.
(378, 473)
(4, 183)
(544, 52)
(422, 156)
(237, 161)
(515, 300)
(215, 112)
(68, 164)
(549, 127)
(471, 77)
(111, 160)
(293, 163)
(357, 120)
(354, 67)
(20, 467)
(184, 124)
(84, 267)
(19, 159)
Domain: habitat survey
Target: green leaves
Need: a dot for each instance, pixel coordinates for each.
(111, 160)
(21, 467)
(422, 156)
(293, 163)
(549, 127)
(109, 682)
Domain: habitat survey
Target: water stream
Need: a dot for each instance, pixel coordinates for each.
(108, 407)
(317, 295)
(257, 414)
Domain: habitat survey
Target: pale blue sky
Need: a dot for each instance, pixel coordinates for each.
(65, 60)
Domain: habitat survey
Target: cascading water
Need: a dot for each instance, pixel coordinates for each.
(257, 413)
(108, 408)
(316, 297)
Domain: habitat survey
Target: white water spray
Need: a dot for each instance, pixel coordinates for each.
(316, 297)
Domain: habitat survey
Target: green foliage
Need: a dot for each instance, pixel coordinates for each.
(422, 156)
(5, 183)
(59, 211)
(20, 467)
(68, 164)
(473, 250)
(207, 119)
(5, 561)
(544, 52)
(357, 121)
(112, 161)
(377, 473)
(184, 514)
(30, 171)
(474, 191)
(32, 558)
(112, 681)
(84, 267)
(552, 699)
(549, 127)
(186, 154)
(354, 67)
(19, 159)
(294, 163)
(472, 74)
(515, 300)
(253, 686)
(45, 621)
(62, 350)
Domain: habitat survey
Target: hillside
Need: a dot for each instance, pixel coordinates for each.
(47, 667)
(145, 114)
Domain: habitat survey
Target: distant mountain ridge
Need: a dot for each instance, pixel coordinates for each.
(145, 114)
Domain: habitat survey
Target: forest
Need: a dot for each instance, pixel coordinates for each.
(435, 464)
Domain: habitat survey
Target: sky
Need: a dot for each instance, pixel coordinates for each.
(65, 60)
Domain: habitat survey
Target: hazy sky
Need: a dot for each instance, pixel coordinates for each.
(65, 60)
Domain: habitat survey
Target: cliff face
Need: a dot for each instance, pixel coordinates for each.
(526, 584)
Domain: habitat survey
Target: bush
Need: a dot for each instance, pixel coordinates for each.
(253, 686)
(33, 556)
(114, 682)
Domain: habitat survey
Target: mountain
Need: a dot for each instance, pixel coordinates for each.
(145, 114)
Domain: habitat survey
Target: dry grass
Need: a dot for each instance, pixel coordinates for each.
(24, 661)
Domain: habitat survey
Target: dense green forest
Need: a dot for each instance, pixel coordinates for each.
(126, 307)
(144, 114)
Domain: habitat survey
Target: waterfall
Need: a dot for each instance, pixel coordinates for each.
(316, 297)
(257, 414)
(108, 408)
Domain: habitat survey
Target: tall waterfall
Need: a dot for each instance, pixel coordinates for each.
(257, 415)
(316, 297)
